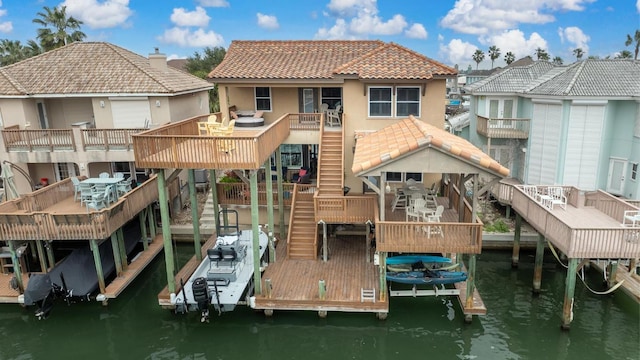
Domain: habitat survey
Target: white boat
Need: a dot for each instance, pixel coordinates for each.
(224, 275)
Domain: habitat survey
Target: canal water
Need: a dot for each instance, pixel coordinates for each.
(517, 326)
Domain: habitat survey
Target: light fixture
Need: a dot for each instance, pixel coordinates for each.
(157, 103)
(387, 189)
(101, 103)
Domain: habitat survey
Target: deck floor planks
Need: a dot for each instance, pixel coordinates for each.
(121, 282)
(7, 294)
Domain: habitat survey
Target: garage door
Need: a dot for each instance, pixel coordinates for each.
(130, 114)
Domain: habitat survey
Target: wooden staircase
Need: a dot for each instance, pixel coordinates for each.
(330, 164)
(303, 230)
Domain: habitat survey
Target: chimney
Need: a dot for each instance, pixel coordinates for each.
(158, 60)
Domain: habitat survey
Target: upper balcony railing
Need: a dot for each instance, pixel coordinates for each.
(76, 139)
(508, 128)
(179, 145)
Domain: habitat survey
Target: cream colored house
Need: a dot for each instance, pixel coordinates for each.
(72, 111)
(375, 83)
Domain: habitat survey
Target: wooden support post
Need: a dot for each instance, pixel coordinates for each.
(368, 241)
(166, 232)
(15, 259)
(569, 290)
(515, 254)
(613, 271)
(195, 219)
(450, 188)
(153, 227)
(462, 190)
(382, 259)
(269, 184)
(282, 229)
(143, 228)
(322, 289)
(382, 195)
(116, 253)
(471, 281)
(123, 249)
(508, 211)
(474, 201)
(98, 263)
(41, 256)
(214, 197)
(537, 269)
(325, 245)
(255, 221)
(268, 288)
(50, 256)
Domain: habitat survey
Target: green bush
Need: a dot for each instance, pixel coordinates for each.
(497, 226)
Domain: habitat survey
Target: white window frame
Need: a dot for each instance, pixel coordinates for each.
(395, 96)
(403, 177)
(369, 102)
(634, 172)
(255, 93)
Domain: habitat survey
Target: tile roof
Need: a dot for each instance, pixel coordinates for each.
(591, 77)
(410, 135)
(93, 68)
(324, 60)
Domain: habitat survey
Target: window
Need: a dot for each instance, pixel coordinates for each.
(379, 101)
(263, 98)
(331, 97)
(403, 177)
(634, 171)
(407, 101)
(291, 155)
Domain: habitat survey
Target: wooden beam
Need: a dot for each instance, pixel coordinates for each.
(373, 186)
(255, 219)
(569, 291)
(195, 219)
(537, 268)
(269, 184)
(166, 232)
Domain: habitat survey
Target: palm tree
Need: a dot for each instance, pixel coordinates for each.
(478, 56)
(624, 54)
(578, 53)
(494, 53)
(33, 48)
(11, 51)
(509, 57)
(542, 54)
(636, 39)
(557, 60)
(56, 25)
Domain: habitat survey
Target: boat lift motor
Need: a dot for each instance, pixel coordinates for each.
(201, 296)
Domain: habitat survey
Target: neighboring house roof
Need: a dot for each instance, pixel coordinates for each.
(180, 64)
(527, 60)
(324, 60)
(83, 68)
(459, 121)
(591, 77)
(411, 135)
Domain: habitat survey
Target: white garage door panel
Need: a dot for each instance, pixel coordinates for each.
(583, 146)
(130, 114)
(545, 136)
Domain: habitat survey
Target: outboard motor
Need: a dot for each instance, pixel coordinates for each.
(201, 296)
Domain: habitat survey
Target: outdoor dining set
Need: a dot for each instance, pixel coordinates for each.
(212, 127)
(420, 204)
(101, 192)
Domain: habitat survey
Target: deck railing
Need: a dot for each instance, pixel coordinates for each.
(583, 241)
(305, 121)
(17, 140)
(507, 128)
(108, 139)
(179, 145)
(345, 209)
(423, 237)
(30, 217)
(240, 194)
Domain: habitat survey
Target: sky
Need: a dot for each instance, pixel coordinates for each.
(448, 31)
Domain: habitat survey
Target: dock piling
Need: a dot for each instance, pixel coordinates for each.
(537, 270)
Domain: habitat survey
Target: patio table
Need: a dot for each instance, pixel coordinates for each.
(105, 181)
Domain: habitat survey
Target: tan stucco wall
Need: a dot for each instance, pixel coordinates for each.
(183, 107)
(63, 112)
(14, 112)
(102, 114)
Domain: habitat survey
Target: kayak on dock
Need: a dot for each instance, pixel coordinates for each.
(429, 277)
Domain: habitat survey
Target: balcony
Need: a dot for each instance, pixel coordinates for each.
(503, 128)
(180, 146)
(68, 145)
(590, 227)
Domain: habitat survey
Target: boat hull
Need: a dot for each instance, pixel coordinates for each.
(411, 259)
(432, 277)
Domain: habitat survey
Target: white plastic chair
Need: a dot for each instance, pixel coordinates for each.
(557, 197)
(76, 187)
(104, 175)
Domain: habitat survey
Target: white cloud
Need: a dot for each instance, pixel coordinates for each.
(416, 31)
(514, 41)
(359, 18)
(198, 17)
(175, 56)
(97, 15)
(440, 37)
(7, 26)
(575, 36)
(480, 17)
(638, 6)
(185, 37)
(267, 21)
(457, 51)
(214, 3)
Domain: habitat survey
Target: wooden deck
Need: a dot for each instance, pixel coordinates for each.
(134, 268)
(295, 282)
(164, 297)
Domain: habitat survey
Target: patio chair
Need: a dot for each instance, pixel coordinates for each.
(118, 175)
(333, 118)
(557, 197)
(399, 201)
(76, 187)
(86, 192)
(434, 218)
(97, 202)
(104, 175)
(124, 186)
(414, 210)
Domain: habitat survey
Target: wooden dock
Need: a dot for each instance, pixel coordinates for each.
(134, 269)
(477, 307)
(164, 297)
(295, 283)
(7, 294)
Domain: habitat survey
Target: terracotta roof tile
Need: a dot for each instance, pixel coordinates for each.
(324, 59)
(410, 135)
(93, 68)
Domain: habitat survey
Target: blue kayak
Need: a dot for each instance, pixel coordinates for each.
(429, 277)
(412, 259)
